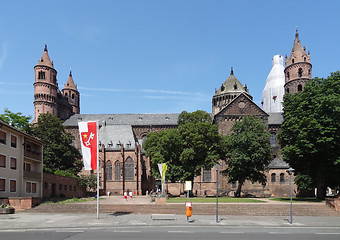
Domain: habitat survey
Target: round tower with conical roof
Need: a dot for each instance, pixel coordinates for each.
(298, 67)
(229, 90)
(71, 93)
(45, 87)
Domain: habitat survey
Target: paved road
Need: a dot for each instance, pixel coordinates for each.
(178, 232)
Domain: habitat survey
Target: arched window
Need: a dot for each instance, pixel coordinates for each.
(117, 171)
(287, 90)
(108, 170)
(273, 139)
(288, 75)
(299, 88)
(129, 170)
(206, 175)
(282, 178)
(293, 60)
(273, 177)
(300, 72)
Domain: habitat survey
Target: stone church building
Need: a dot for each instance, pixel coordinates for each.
(123, 164)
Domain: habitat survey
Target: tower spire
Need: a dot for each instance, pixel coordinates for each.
(232, 71)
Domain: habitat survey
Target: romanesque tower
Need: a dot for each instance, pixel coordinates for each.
(229, 90)
(45, 87)
(47, 96)
(71, 93)
(298, 68)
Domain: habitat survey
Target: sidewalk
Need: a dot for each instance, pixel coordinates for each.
(26, 221)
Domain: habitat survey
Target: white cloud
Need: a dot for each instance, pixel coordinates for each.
(3, 54)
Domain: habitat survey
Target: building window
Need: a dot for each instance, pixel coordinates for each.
(117, 171)
(13, 141)
(293, 60)
(2, 185)
(287, 90)
(282, 178)
(273, 177)
(304, 59)
(288, 75)
(27, 166)
(206, 175)
(129, 170)
(28, 187)
(299, 88)
(41, 75)
(108, 170)
(12, 185)
(13, 163)
(60, 187)
(2, 161)
(273, 139)
(34, 188)
(300, 72)
(2, 137)
(65, 187)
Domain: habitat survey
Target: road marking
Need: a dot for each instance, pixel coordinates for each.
(233, 232)
(180, 231)
(127, 231)
(327, 233)
(70, 231)
(279, 233)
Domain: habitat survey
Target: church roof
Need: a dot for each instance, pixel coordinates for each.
(45, 59)
(144, 119)
(298, 52)
(70, 83)
(231, 85)
(278, 163)
(275, 118)
(113, 136)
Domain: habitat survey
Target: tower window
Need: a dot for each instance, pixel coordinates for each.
(293, 60)
(41, 75)
(288, 75)
(287, 90)
(300, 72)
(299, 88)
(304, 59)
(273, 178)
(273, 139)
(235, 86)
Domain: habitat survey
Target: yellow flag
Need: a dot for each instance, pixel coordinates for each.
(164, 168)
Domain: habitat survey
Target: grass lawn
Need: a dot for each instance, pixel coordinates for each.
(296, 199)
(70, 200)
(213, 200)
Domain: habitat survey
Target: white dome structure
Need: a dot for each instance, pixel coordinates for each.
(272, 95)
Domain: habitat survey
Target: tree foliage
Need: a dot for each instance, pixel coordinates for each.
(16, 120)
(194, 145)
(310, 133)
(88, 181)
(250, 152)
(59, 153)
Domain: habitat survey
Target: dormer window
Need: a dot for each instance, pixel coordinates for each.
(235, 86)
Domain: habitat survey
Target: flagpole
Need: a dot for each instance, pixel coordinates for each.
(97, 174)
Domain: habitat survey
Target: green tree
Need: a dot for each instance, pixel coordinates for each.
(17, 120)
(250, 152)
(89, 182)
(310, 133)
(194, 145)
(59, 153)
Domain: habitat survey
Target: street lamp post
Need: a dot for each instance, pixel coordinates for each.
(217, 166)
(290, 172)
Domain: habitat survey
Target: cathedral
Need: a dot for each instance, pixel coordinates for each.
(123, 164)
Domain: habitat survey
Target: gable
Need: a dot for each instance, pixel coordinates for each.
(242, 105)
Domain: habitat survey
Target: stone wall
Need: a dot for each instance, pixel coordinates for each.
(54, 185)
(21, 203)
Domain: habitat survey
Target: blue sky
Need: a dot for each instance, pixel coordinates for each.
(156, 56)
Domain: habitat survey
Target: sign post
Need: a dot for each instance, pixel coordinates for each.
(188, 208)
